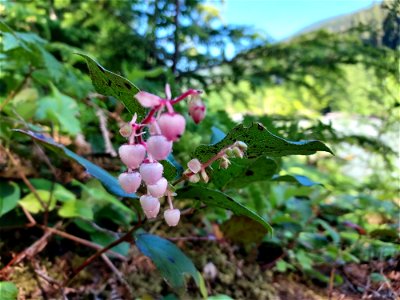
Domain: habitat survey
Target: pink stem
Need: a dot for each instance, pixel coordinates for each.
(185, 95)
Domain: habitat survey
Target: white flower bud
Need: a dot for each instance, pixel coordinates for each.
(172, 216)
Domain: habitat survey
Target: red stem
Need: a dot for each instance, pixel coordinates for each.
(185, 95)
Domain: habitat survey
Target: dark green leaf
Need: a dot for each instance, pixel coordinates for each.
(104, 238)
(111, 84)
(298, 179)
(9, 196)
(240, 229)
(242, 172)
(171, 168)
(260, 142)
(386, 235)
(169, 259)
(218, 199)
(109, 181)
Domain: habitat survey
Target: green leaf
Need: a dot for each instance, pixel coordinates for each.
(9, 196)
(240, 229)
(8, 291)
(298, 179)
(242, 172)
(260, 142)
(60, 109)
(32, 204)
(10, 42)
(111, 84)
(95, 194)
(385, 234)
(108, 181)
(76, 208)
(170, 172)
(59, 192)
(169, 260)
(216, 198)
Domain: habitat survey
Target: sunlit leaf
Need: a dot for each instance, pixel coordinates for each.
(76, 208)
(8, 290)
(31, 203)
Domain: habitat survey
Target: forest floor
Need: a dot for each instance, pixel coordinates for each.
(227, 268)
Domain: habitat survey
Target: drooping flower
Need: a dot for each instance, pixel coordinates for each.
(132, 155)
(197, 109)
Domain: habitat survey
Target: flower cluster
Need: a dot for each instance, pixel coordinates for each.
(142, 156)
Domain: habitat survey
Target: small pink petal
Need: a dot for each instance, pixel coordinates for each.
(194, 165)
(148, 100)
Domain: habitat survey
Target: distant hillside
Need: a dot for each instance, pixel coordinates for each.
(374, 15)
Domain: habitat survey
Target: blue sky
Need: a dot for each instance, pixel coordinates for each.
(282, 18)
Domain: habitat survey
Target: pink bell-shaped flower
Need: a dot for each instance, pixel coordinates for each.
(152, 214)
(159, 147)
(158, 189)
(147, 99)
(150, 206)
(172, 125)
(132, 155)
(130, 182)
(172, 216)
(197, 109)
(151, 172)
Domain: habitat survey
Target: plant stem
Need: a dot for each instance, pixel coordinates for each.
(185, 95)
(126, 237)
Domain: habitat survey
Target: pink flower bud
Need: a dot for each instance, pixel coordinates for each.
(159, 147)
(132, 155)
(147, 100)
(197, 109)
(158, 189)
(151, 214)
(130, 182)
(194, 165)
(151, 172)
(172, 216)
(148, 202)
(172, 125)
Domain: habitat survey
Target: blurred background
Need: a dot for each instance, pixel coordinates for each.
(325, 70)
